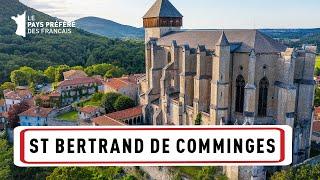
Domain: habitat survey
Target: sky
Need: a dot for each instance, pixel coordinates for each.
(198, 14)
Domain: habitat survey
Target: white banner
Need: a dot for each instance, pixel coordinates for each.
(153, 146)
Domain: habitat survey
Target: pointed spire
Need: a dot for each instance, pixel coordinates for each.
(223, 41)
(162, 8)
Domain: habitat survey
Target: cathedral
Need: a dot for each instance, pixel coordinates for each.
(226, 77)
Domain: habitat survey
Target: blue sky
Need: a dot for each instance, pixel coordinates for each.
(208, 14)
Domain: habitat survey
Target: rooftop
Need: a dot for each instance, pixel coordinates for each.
(125, 114)
(118, 83)
(316, 126)
(18, 94)
(240, 40)
(79, 81)
(162, 8)
(37, 112)
(106, 121)
(89, 109)
(73, 74)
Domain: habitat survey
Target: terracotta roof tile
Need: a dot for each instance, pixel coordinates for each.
(117, 83)
(37, 112)
(128, 113)
(316, 126)
(106, 121)
(79, 81)
(89, 109)
(18, 94)
(73, 74)
(55, 94)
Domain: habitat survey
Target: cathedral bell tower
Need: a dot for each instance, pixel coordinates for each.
(161, 18)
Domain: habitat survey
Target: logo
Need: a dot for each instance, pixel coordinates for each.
(21, 24)
(28, 24)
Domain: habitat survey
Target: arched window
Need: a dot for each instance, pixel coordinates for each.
(169, 57)
(263, 97)
(240, 84)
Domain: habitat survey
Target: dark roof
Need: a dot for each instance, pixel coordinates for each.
(240, 40)
(162, 8)
(223, 41)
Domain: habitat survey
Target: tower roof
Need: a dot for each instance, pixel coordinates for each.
(162, 8)
(223, 41)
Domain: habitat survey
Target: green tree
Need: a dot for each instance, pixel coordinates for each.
(123, 102)
(198, 120)
(6, 162)
(50, 72)
(7, 85)
(72, 173)
(108, 100)
(207, 173)
(97, 97)
(77, 68)
(19, 78)
(59, 72)
(308, 172)
(115, 72)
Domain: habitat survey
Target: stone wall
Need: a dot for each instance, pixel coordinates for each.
(57, 122)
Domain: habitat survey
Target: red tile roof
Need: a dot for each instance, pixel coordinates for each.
(55, 94)
(125, 114)
(79, 81)
(18, 94)
(37, 112)
(89, 109)
(316, 126)
(73, 74)
(118, 83)
(106, 121)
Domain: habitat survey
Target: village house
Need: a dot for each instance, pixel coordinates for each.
(36, 116)
(74, 90)
(127, 86)
(89, 112)
(132, 116)
(13, 97)
(52, 100)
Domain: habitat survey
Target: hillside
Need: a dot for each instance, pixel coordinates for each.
(295, 37)
(78, 48)
(109, 28)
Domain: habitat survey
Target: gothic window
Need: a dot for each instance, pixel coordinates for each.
(240, 84)
(263, 97)
(169, 57)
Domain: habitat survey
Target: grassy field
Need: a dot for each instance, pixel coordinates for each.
(318, 62)
(70, 116)
(92, 103)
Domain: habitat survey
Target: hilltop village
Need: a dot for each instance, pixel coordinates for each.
(192, 77)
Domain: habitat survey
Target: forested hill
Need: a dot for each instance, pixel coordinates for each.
(78, 48)
(295, 37)
(109, 28)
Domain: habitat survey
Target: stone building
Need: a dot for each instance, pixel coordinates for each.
(227, 76)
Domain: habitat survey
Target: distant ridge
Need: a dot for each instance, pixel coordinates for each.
(109, 28)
